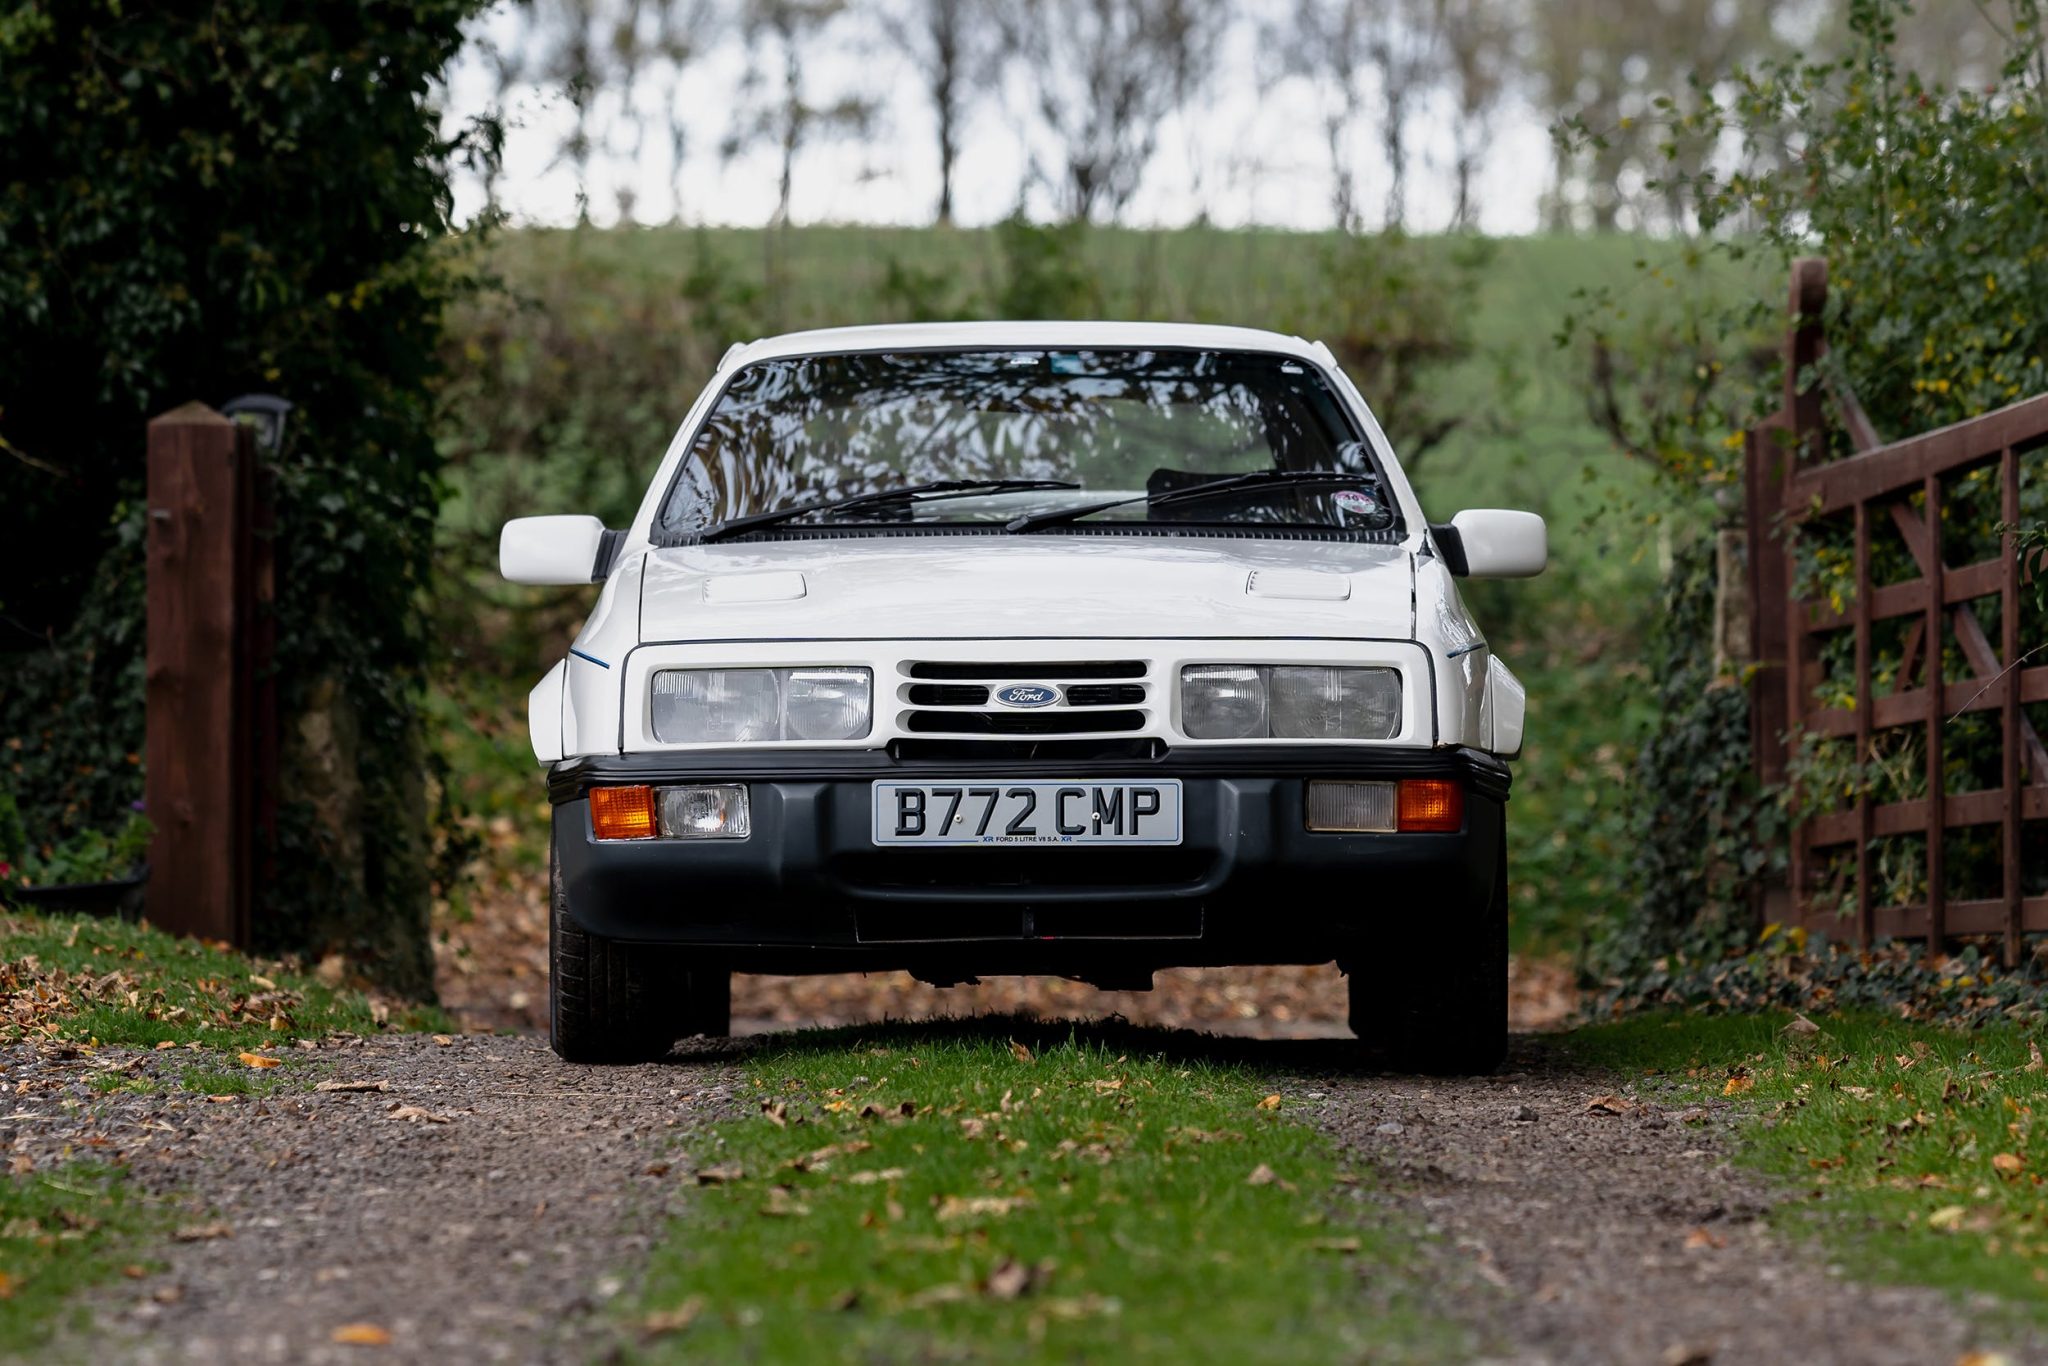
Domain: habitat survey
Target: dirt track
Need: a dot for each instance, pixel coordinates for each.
(499, 1233)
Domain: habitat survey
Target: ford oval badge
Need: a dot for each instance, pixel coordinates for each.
(1028, 695)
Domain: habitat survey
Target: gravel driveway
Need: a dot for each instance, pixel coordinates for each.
(487, 1203)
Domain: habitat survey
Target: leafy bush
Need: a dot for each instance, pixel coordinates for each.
(204, 200)
(85, 856)
(1932, 208)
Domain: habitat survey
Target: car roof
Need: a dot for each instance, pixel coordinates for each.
(1023, 335)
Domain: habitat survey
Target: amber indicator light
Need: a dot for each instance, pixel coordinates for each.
(1432, 806)
(623, 813)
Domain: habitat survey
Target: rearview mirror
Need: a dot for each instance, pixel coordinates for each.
(1494, 543)
(552, 550)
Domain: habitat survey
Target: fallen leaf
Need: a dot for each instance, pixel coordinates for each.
(971, 1127)
(1271, 1102)
(1737, 1085)
(1610, 1105)
(168, 1294)
(776, 1113)
(665, 1321)
(1948, 1218)
(362, 1335)
(950, 1293)
(972, 1206)
(202, 1233)
(1020, 1052)
(443, 1040)
(2008, 1164)
(869, 1178)
(2035, 1063)
(7, 1285)
(418, 1114)
(721, 1175)
(258, 1060)
(353, 1086)
(1801, 1027)
(784, 1205)
(1011, 1279)
(1700, 1237)
(1983, 1359)
(1334, 1244)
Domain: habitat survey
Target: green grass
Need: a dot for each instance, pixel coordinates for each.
(230, 1081)
(1923, 1152)
(61, 1231)
(929, 1192)
(93, 980)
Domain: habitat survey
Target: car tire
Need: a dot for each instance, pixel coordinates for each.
(1444, 1023)
(608, 1002)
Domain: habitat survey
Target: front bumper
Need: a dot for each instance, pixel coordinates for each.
(809, 890)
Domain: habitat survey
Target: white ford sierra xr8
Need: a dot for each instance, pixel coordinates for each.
(1074, 648)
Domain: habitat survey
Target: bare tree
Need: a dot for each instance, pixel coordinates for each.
(1404, 45)
(1353, 50)
(590, 49)
(1105, 74)
(957, 49)
(781, 108)
(1603, 63)
(1478, 47)
(1324, 42)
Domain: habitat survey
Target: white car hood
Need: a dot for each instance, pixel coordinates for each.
(960, 587)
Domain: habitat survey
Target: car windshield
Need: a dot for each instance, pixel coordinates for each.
(1113, 424)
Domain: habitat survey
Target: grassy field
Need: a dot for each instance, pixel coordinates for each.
(62, 1231)
(88, 980)
(986, 1192)
(1918, 1149)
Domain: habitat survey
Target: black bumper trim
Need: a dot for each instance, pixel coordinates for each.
(1483, 773)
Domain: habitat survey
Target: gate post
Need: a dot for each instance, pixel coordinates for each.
(199, 750)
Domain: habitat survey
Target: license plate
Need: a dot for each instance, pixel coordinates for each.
(1116, 812)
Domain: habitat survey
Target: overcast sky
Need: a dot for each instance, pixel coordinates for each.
(1252, 153)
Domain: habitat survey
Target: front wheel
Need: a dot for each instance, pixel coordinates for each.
(1451, 1022)
(614, 1002)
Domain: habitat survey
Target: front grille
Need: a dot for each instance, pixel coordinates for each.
(949, 694)
(965, 697)
(1106, 695)
(1049, 672)
(1051, 721)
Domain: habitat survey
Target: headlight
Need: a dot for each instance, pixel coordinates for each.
(740, 706)
(1314, 702)
(1223, 702)
(1289, 702)
(825, 704)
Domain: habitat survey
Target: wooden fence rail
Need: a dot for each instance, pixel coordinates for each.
(1897, 489)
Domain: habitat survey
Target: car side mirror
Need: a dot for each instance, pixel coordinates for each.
(556, 550)
(1493, 543)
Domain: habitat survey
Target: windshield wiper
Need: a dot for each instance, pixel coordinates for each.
(936, 488)
(1206, 489)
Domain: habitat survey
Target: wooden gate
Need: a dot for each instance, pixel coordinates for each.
(1796, 494)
